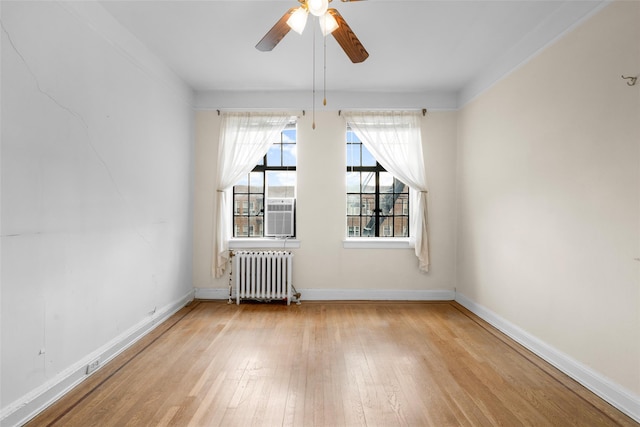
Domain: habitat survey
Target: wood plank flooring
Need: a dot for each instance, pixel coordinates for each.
(328, 364)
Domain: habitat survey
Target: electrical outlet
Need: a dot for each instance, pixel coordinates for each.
(91, 367)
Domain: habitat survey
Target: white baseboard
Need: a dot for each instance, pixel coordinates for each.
(375, 295)
(349, 294)
(211, 293)
(619, 397)
(30, 405)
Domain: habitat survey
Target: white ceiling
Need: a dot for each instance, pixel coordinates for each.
(414, 46)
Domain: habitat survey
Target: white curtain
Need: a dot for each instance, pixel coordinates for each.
(244, 139)
(395, 140)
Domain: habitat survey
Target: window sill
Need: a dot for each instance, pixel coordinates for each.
(377, 243)
(264, 243)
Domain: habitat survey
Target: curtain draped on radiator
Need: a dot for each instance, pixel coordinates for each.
(395, 140)
(244, 139)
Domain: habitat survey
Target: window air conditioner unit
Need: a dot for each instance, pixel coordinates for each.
(279, 217)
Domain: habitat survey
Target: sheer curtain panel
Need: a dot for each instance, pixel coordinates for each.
(395, 140)
(244, 139)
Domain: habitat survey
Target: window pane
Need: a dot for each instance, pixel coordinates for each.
(255, 204)
(241, 226)
(401, 206)
(353, 226)
(289, 155)
(353, 182)
(255, 226)
(353, 154)
(401, 226)
(367, 158)
(289, 135)
(386, 204)
(273, 155)
(368, 204)
(239, 204)
(281, 183)
(386, 227)
(368, 182)
(368, 227)
(386, 182)
(400, 187)
(351, 136)
(353, 204)
(256, 181)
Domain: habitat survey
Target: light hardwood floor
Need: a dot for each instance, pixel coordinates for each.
(328, 364)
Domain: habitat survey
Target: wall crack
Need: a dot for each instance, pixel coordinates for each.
(63, 107)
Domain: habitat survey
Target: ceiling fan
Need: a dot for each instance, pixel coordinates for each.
(330, 20)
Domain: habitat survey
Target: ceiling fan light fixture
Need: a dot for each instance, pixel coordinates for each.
(298, 20)
(328, 24)
(318, 7)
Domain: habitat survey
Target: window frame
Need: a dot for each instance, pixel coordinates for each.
(379, 218)
(262, 168)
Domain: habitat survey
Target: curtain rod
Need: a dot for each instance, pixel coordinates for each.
(260, 111)
(424, 112)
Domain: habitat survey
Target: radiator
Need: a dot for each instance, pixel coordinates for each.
(262, 275)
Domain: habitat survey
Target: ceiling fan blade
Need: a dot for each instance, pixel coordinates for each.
(276, 33)
(347, 39)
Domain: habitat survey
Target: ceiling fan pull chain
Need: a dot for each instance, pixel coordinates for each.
(313, 75)
(324, 74)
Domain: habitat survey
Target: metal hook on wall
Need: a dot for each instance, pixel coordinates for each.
(632, 80)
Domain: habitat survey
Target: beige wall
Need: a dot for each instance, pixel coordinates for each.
(549, 189)
(321, 263)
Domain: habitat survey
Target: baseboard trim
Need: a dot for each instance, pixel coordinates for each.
(30, 405)
(619, 397)
(348, 294)
(211, 293)
(375, 295)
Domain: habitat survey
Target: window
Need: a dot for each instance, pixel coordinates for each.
(377, 202)
(273, 177)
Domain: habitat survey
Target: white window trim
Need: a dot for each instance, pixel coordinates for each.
(263, 243)
(378, 243)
